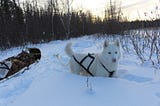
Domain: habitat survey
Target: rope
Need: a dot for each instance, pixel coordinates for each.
(59, 58)
(6, 66)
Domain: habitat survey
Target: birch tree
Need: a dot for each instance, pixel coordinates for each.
(66, 20)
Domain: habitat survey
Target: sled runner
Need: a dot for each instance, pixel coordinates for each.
(18, 64)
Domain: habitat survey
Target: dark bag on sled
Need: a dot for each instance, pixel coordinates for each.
(14, 64)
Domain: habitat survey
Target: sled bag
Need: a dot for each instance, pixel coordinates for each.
(14, 64)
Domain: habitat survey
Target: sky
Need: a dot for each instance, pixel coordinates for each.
(132, 9)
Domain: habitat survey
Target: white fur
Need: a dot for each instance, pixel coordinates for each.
(108, 57)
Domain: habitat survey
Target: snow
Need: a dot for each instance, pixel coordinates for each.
(50, 83)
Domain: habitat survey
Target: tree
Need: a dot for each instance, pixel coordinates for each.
(66, 8)
(11, 22)
(113, 17)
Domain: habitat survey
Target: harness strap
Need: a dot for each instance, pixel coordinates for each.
(6, 66)
(87, 69)
(80, 63)
(91, 61)
(110, 73)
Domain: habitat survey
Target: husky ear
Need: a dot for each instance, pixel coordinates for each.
(117, 43)
(106, 43)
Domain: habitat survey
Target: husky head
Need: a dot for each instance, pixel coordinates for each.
(112, 51)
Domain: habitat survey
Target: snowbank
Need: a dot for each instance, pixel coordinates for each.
(49, 83)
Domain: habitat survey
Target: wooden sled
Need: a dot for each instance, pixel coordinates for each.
(14, 64)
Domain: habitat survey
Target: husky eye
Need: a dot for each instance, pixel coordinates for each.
(116, 52)
(109, 52)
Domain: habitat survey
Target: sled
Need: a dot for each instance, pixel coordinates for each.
(20, 63)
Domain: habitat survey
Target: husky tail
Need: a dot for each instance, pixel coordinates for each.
(68, 49)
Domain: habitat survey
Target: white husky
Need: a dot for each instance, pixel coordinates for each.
(103, 64)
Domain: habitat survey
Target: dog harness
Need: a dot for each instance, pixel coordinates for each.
(92, 59)
(80, 63)
(110, 73)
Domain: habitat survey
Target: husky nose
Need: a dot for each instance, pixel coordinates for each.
(114, 60)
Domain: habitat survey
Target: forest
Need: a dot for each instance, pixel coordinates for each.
(28, 23)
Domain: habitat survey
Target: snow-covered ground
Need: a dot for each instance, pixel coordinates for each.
(49, 83)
